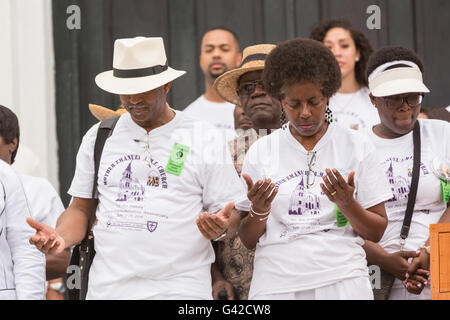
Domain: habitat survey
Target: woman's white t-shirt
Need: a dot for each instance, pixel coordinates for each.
(396, 157)
(354, 110)
(303, 248)
(146, 240)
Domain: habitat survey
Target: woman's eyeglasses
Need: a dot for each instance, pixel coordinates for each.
(247, 88)
(311, 159)
(413, 100)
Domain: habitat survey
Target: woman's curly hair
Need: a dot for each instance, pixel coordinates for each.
(388, 54)
(301, 61)
(320, 30)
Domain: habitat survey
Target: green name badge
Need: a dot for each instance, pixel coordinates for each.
(177, 158)
(445, 186)
(340, 218)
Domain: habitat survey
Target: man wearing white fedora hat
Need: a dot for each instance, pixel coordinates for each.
(158, 171)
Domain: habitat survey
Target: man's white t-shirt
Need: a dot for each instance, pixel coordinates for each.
(303, 248)
(22, 266)
(146, 239)
(354, 110)
(396, 157)
(220, 115)
(45, 203)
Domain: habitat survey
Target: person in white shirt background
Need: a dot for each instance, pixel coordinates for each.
(158, 171)
(350, 104)
(314, 192)
(397, 89)
(43, 200)
(220, 52)
(21, 266)
(27, 162)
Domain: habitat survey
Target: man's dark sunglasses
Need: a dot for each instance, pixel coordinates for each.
(247, 88)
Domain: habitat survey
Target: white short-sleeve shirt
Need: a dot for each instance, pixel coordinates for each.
(45, 204)
(219, 114)
(396, 157)
(303, 248)
(146, 240)
(354, 110)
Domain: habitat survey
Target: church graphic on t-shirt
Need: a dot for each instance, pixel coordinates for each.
(399, 185)
(129, 188)
(303, 201)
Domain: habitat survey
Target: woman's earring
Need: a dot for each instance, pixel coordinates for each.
(283, 119)
(328, 115)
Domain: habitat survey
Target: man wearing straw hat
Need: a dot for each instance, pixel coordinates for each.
(158, 170)
(244, 87)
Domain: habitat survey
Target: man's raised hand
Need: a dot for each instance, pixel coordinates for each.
(46, 239)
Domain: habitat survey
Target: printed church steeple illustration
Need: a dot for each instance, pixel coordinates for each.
(399, 185)
(130, 189)
(303, 201)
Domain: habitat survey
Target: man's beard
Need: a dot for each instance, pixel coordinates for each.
(216, 75)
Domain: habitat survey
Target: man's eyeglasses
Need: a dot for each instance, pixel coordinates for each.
(413, 100)
(247, 88)
(311, 159)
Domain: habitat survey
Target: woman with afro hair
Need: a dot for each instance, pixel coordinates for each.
(350, 104)
(314, 193)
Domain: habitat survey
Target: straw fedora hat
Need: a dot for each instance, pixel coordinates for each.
(101, 113)
(139, 65)
(253, 59)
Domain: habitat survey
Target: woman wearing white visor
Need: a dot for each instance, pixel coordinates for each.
(409, 149)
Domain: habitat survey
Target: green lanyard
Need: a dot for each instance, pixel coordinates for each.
(340, 218)
(445, 186)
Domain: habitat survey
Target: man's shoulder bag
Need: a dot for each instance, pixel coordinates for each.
(83, 253)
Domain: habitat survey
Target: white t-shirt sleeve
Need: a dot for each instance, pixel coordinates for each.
(221, 184)
(45, 204)
(371, 184)
(83, 179)
(28, 262)
(446, 133)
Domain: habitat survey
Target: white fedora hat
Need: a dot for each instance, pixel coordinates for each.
(139, 65)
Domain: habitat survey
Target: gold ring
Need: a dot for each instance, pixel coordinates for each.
(333, 193)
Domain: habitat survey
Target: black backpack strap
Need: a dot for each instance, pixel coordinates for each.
(105, 130)
(414, 184)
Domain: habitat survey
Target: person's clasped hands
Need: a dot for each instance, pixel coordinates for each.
(418, 272)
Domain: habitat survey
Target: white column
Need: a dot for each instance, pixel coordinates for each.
(27, 77)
